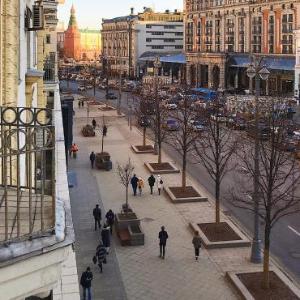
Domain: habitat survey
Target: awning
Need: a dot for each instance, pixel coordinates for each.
(179, 58)
(271, 62)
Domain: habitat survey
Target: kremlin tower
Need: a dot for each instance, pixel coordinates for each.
(72, 38)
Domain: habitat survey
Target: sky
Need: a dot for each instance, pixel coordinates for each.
(89, 13)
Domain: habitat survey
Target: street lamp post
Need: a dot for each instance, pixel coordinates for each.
(157, 65)
(256, 71)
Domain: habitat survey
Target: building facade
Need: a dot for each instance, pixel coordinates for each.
(36, 231)
(90, 44)
(220, 35)
(126, 39)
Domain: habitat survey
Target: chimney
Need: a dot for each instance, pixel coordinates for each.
(167, 11)
(131, 10)
(175, 11)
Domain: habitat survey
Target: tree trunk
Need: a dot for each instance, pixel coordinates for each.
(217, 195)
(102, 143)
(126, 199)
(266, 277)
(184, 170)
(159, 152)
(144, 136)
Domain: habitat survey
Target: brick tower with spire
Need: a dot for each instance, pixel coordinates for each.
(72, 38)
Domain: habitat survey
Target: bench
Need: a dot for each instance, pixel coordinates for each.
(124, 237)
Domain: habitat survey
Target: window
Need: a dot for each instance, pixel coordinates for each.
(179, 33)
(157, 47)
(169, 40)
(178, 47)
(157, 33)
(148, 40)
(48, 39)
(148, 26)
(169, 26)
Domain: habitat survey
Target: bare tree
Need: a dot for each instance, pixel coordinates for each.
(277, 180)
(184, 139)
(215, 149)
(125, 172)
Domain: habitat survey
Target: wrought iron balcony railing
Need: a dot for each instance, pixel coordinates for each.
(50, 68)
(27, 190)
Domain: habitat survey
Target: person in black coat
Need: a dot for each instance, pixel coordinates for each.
(92, 159)
(162, 236)
(110, 219)
(94, 123)
(86, 283)
(134, 182)
(104, 130)
(151, 181)
(105, 236)
(97, 216)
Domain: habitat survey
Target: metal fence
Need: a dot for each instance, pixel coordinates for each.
(27, 173)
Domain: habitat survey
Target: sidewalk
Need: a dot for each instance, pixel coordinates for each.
(143, 274)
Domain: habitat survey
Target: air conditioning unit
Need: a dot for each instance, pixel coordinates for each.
(37, 18)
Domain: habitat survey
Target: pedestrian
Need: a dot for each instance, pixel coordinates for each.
(97, 216)
(104, 130)
(94, 123)
(151, 181)
(134, 183)
(79, 103)
(82, 103)
(92, 159)
(197, 244)
(163, 236)
(86, 283)
(140, 185)
(110, 219)
(105, 236)
(101, 256)
(159, 184)
(74, 150)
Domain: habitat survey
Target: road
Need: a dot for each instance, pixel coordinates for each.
(285, 238)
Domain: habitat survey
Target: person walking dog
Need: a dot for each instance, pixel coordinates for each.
(162, 236)
(197, 244)
(151, 181)
(159, 184)
(86, 283)
(134, 184)
(97, 216)
(92, 159)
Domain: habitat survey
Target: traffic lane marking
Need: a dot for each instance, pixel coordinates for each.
(294, 230)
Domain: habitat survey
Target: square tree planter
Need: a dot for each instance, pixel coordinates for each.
(136, 235)
(162, 168)
(180, 195)
(222, 235)
(123, 220)
(142, 149)
(248, 284)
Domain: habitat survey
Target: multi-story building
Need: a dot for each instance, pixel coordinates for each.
(36, 231)
(220, 35)
(126, 39)
(90, 44)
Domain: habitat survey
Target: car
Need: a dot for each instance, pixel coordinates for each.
(111, 96)
(219, 117)
(144, 121)
(171, 125)
(89, 86)
(81, 88)
(198, 126)
(170, 105)
(102, 86)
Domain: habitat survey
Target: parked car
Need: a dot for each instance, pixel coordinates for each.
(198, 126)
(171, 125)
(111, 96)
(81, 88)
(219, 117)
(89, 86)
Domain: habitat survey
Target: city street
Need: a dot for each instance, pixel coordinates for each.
(285, 244)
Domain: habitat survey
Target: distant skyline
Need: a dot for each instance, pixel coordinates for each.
(89, 13)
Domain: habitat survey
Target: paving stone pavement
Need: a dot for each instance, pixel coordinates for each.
(139, 269)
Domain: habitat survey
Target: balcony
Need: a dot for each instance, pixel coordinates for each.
(50, 12)
(50, 69)
(27, 206)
